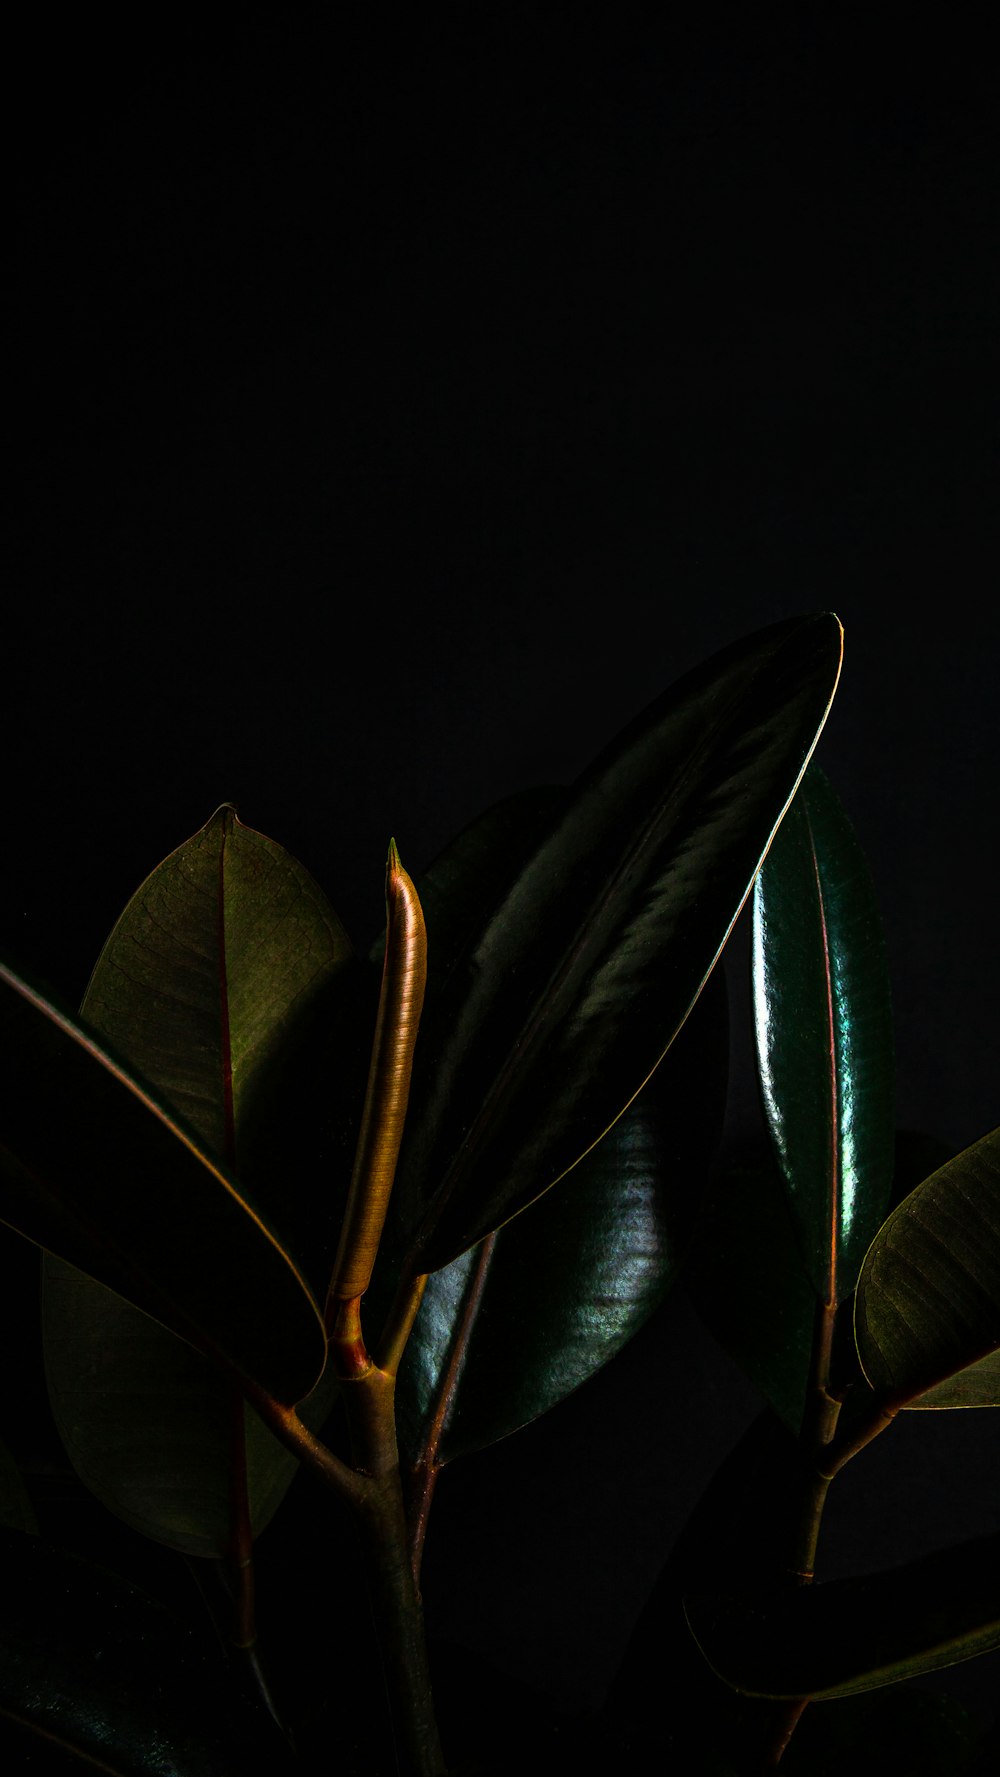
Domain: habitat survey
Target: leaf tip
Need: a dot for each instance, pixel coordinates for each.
(225, 816)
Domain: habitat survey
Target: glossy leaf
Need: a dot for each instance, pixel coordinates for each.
(581, 976)
(217, 955)
(507, 1332)
(927, 1305)
(824, 1034)
(91, 1666)
(95, 1171)
(845, 1636)
(511, 1327)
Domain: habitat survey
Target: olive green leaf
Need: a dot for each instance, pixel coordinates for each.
(978, 1385)
(824, 1034)
(218, 957)
(927, 1305)
(843, 1636)
(94, 1170)
(580, 977)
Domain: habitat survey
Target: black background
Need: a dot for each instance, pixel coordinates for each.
(397, 409)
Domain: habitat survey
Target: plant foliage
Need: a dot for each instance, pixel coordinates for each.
(255, 1263)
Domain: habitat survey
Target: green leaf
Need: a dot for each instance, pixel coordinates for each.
(221, 952)
(95, 1171)
(16, 1509)
(514, 1325)
(91, 1666)
(824, 1034)
(845, 1636)
(579, 979)
(976, 1386)
(927, 1306)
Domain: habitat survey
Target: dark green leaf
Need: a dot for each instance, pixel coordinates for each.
(580, 978)
(508, 1329)
(217, 959)
(92, 1169)
(927, 1305)
(824, 1034)
(92, 1666)
(834, 1639)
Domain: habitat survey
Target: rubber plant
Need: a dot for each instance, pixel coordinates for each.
(334, 1217)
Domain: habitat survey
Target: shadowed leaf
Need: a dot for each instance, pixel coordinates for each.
(927, 1307)
(845, 1636)
(513, 1326)
(93, 1666)
(625, 904)
(824, 1034)
(976, 1386)
(217, 959)
(93, 1170)
(746, 1276)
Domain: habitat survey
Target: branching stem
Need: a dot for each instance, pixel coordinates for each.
(371, 1487)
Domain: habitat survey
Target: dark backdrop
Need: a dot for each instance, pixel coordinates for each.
(397, 409)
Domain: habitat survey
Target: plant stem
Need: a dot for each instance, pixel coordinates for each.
(428, 1466)
(818, 1427)
(399, 1324)
(787, 1723)
(372, 1489)
(819, 1423)
(393, 1590)
(399, 1621)
(840, 1452)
